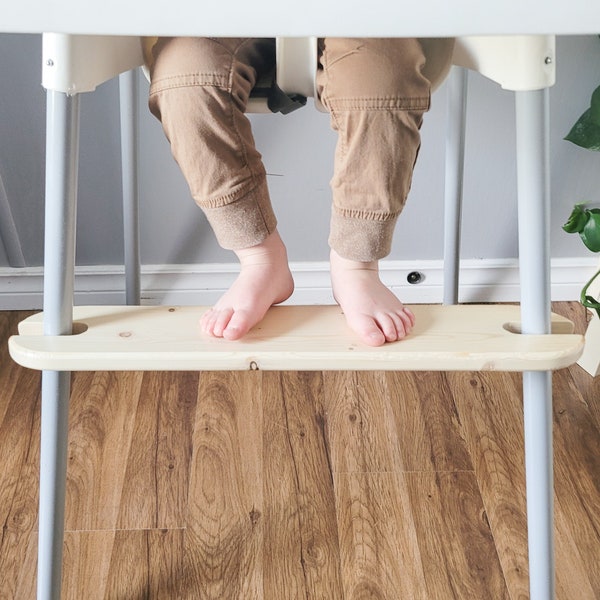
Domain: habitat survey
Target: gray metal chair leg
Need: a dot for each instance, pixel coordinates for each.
(62, 141)
(128, 89)
(455, 159)
(53, 471)
(534, 251)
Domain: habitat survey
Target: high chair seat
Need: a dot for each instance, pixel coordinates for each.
(74, 64)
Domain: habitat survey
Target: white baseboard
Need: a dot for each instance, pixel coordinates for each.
(480, 281)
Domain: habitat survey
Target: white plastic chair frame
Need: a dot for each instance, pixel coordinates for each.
(76, 64)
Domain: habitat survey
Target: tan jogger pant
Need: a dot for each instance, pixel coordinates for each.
(375, 91)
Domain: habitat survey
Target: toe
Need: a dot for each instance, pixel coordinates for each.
(368, 330)
(400, 327)
(408, 316)
(221, 322)
(374, 337)
(238, 325)
(405, 323)
(391, 326)
(207, 321)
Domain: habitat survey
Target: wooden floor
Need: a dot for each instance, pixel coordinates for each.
(277, 486)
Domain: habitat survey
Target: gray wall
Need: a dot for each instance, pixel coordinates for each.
(298, 151)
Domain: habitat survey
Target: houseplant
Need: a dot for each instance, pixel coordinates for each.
(586, 221)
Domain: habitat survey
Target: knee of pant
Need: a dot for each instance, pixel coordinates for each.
(373, 69)
(184, 105)
(223, 69)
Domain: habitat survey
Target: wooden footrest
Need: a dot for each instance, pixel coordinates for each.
(316, 338)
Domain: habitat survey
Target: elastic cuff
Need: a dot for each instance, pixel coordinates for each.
(245, 222)
(363, 240)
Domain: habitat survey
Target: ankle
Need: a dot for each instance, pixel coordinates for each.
(345, 264)
(270, 251)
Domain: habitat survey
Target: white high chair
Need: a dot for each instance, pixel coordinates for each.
(292, 337)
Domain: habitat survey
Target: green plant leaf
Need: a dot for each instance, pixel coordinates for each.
(585, 132)
(591, 231)
(577, 220)
(587, 300)
(592, 303)
(595, 106)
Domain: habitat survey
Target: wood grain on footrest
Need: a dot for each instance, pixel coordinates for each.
(290, 338)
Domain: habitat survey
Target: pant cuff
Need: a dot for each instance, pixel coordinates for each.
(245, 222)
(363, 240)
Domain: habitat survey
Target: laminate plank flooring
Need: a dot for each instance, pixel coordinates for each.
(277, 486)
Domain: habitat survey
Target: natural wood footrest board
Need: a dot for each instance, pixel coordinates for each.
(293, 338)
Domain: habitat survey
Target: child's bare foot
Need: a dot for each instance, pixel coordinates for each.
(371, 309)
(265, 279)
